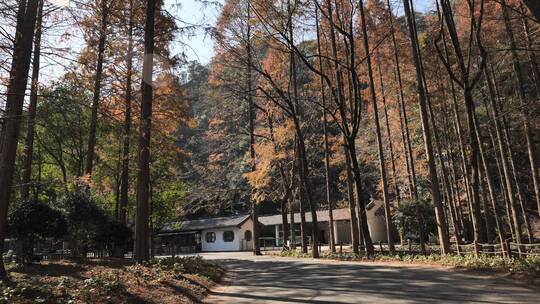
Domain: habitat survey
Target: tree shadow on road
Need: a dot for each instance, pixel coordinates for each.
(305, 282)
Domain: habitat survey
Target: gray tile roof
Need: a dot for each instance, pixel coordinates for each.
(208, 223)
(322, 216)
(237, 220)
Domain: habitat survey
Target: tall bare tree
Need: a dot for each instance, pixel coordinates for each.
(142, 233)
(428, 145)
(104, 14)
(382, 163)
(520, 82)
(124, 175)
(252, 114)
(29, 141)
(18, 78)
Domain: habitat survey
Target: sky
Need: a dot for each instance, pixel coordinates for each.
(198, 15)
(199, 46)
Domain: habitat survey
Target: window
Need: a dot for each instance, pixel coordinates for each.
(247, 235)
(210, 237)
(228, 236)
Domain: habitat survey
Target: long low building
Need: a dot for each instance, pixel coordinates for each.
(234, 233)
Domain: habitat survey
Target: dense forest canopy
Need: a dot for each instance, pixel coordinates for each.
(306, 105)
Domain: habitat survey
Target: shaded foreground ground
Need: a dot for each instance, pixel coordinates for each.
(110, 281)
(269, 279)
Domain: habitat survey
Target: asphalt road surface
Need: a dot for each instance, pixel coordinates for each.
(271, 280)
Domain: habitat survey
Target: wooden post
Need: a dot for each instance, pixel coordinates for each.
(410, 245)
(508, 249)
(381, 247)
(475, 248)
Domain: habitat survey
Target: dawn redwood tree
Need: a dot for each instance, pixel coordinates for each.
(530, 54)
(520, 82)
(332, 241)
(104, 14)
(404, 121)
(288, 100)
(124, 175)
(382, 163)
(428, 145)
(467, 79)
(252, 115)
(22, 53)
(30, 129)
(303, 167)
(142, 234)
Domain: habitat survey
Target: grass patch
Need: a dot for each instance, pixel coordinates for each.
(529, 265)
(171, 280)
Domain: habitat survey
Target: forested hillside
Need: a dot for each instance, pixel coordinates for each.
(452, 121)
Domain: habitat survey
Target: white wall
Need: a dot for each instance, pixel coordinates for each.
(219, 244)
(377, 225)
(235, 245)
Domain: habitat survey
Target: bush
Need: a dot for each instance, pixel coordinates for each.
(529, 265)
(33, 221)
(89, 227)
(189, 265)
(407, 217)
(116, 237)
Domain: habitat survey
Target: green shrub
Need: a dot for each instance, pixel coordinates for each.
(32, 221)
(529, 264)
(89, 226)
(409, 213)
(189, 265)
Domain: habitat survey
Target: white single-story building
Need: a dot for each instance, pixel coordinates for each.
(234, 233)
(231, 233)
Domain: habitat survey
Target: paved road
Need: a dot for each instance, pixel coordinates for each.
(287, 280)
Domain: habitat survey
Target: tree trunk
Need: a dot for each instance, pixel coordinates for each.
(382, 163)
(454, 187)
(143, 178)
(291, 216)
(491, 191)
(435, 192)
(304, 184)
(284, 221)
(332, 242)
(352, 204)
(18, 79)
(97, 88)
(29, 142)
(301, 201)
(124, 178)
(287, 193)
(251, 105)
(407, 147)
(531, 150)
(531, 54)
(21, 9)
(447, 187)
(459, 131)
(346, 145)
(361, 204)
(503, 148)
(388, 135)
(496, 156)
